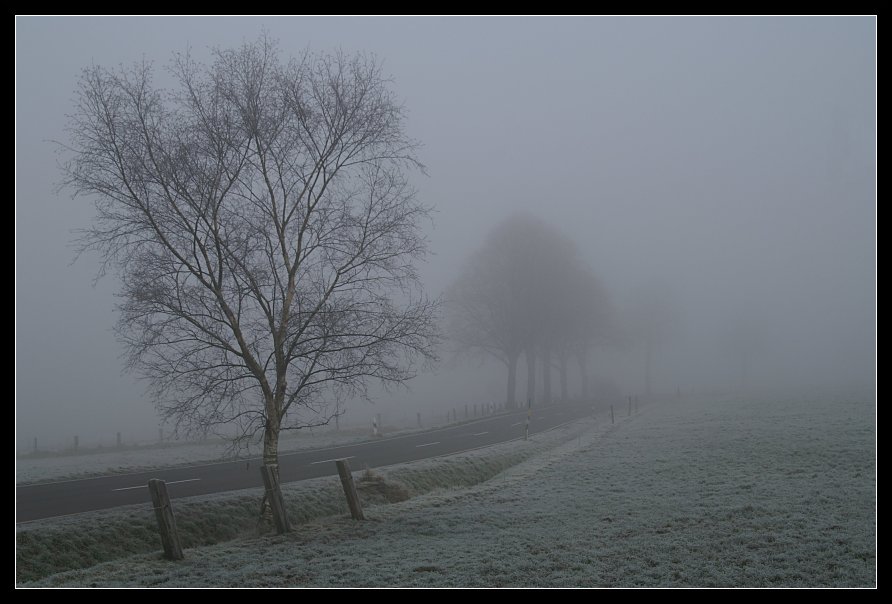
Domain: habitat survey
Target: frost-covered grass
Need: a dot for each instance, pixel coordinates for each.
(65, 465)
(700, 493)
(54, 545)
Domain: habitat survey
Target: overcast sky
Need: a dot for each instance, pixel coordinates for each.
(732, 160)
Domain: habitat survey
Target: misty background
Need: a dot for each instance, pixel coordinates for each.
(728, 163)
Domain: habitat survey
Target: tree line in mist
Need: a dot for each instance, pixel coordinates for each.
(526, 293)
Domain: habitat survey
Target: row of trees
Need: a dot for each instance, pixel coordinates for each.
(527, 293)
(260, 217)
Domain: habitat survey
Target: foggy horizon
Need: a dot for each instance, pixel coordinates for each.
(728, 163)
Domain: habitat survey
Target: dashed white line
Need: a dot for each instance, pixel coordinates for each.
(427, 444)
(518, 424)
(480, 434)
(330, 460)
(145, 486)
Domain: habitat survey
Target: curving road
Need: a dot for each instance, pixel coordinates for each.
(46, 500)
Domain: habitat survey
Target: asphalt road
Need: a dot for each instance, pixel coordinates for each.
(46, 500)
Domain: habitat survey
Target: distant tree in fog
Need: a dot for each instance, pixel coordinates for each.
(588, 323)
(486, 304)
(743, 339)
(260, 217)
(525, 291)
(650, 319)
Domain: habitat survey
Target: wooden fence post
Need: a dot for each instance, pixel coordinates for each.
(274, 497)
(167, 524)
(349, 489)
(419, 419)
(612, 420)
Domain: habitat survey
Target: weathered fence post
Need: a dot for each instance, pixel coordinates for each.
(475, 409)
(160, 435)
(612, 420)
(349, 489)
(274, 497)
(419, 419)
(35, 444)
(167, 524)
(119, 440)
(75, 443)
(630, 405)
(466, 410)
(375, 426)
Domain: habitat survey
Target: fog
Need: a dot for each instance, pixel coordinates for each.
(725, 167)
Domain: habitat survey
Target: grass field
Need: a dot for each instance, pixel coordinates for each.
(768, 493)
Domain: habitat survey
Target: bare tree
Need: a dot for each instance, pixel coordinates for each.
(486, 309)
(261, 219)
(743, 338)
(587, 319)
(651, 318)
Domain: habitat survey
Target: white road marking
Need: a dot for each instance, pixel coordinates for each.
(518, 424)
(428, 444)
(330, 460)
(145, 486)
(480, 434)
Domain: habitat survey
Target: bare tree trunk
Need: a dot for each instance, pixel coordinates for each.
(512, 380)
(273, 504)
(271, 444)
(546, 376)
(531, 375)
(562, 356)
(582, 358)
